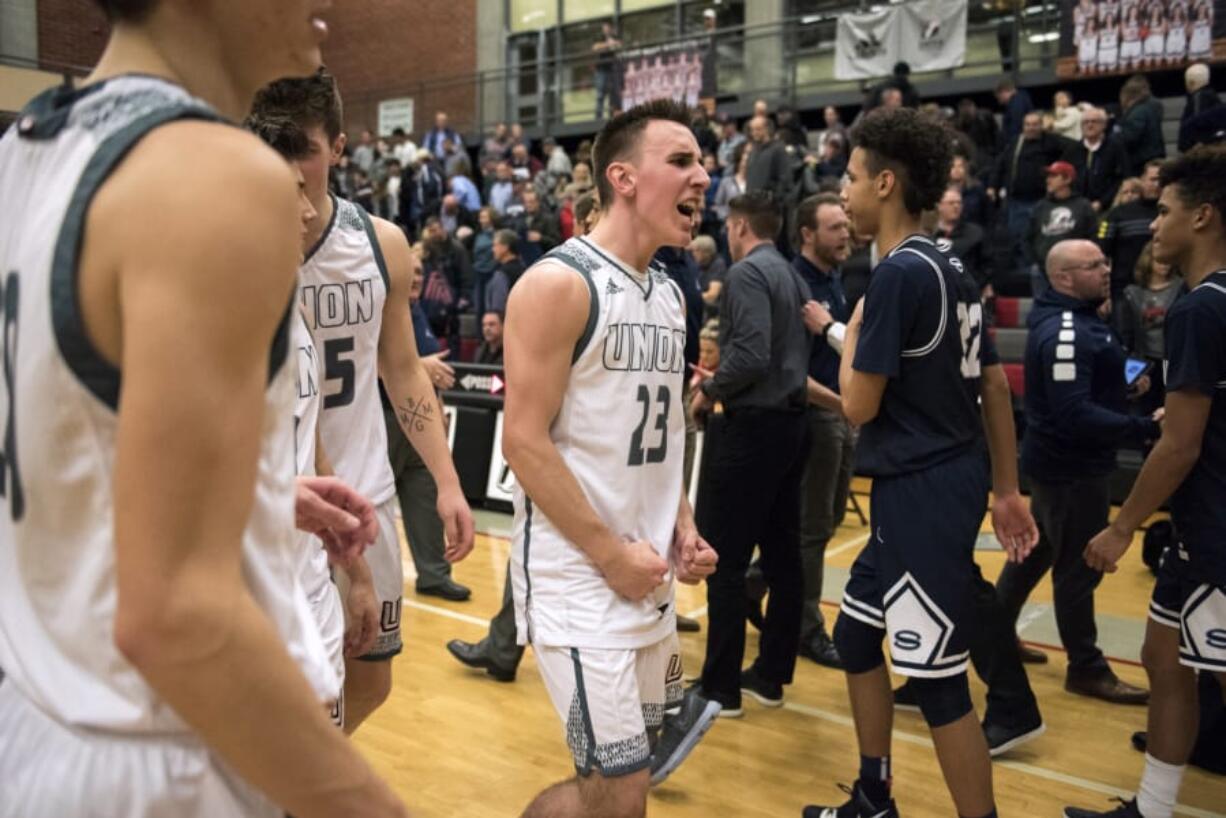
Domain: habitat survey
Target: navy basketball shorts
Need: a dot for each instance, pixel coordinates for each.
(1198, 609)
(914, 578)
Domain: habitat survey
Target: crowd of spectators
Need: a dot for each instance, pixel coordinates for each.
(1022, 180)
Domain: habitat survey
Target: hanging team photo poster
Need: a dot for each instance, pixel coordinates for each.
(1124, 36)
(672, 71)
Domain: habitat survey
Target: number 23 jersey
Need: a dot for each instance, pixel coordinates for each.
(620, 430)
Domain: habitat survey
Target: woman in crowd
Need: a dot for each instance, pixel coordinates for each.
(1143, 316)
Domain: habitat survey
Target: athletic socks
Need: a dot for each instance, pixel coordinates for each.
(1159, 788)
(875, 779)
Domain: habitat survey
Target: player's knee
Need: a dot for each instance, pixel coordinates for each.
(859, 645)
(1160, 657)
(943, 701)
(369, 684)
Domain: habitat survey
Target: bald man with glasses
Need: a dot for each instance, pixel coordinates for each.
(1076, 418)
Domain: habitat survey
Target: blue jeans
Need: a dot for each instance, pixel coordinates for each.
(606, 87)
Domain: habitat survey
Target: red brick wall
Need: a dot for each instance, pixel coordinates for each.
(379, 49)
(70, 33)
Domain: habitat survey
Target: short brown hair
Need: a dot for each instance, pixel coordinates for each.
(130, 11)
(309, 101)
(620, 136)
(760, 210)
(806, 211)
(282, 134)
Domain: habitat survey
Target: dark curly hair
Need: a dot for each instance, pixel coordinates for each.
(620, 136)
(918, 148)
(309, 101)
(130, 11)
(1197, 176)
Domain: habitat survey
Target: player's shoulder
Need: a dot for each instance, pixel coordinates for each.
(200, 174)
(1206, 300)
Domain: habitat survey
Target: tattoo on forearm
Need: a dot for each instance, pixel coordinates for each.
(416, 413)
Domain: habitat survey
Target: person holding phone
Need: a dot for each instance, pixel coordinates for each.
(1076, 418)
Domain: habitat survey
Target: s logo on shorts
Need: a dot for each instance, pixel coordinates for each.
(907, 640)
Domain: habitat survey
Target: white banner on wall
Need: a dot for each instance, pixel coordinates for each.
(929, 35)
(865, 44)
(932, 35)
(395, 113)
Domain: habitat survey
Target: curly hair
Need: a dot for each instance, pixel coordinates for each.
(309, 101)
(917, 148)
(1197, 176)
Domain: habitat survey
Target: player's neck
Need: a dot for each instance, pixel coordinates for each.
(323, 217)
(191, 61)
(1204, 259)
(619, 232)
(895, 226)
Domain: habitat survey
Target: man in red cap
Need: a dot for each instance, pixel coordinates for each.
(1064, 214)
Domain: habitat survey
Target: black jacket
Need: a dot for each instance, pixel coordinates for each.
(1140, 131)
(770, 168)
(1206, 99)
(1076, 399)
(1099, 173)
(1123, 234)
(1021, 172)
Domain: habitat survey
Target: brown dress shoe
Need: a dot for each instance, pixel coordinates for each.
(1031, 656)
(1108, 687)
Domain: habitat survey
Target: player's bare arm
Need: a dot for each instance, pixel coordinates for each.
(1174, 455)
(861, 391)
(538, 360)
(412, 394)
(1011, 518)
(186, 457)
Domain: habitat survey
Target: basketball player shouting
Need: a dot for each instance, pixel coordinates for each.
(355, 290)
(1186, 631)
(594, 432)
(160, 652)
(911, 375)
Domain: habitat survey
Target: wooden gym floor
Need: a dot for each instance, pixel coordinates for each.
(456, 744)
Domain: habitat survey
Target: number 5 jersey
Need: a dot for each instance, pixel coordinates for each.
(621, 432)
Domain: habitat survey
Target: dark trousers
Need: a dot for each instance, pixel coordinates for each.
(823, 503)
(1068, 514)
(994, 653)
(754, 499)
(418, 498)
(500, 644)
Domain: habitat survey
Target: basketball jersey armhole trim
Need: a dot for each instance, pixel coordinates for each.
(593, 310)
(369, 227)
(97, 374)
(942, 323)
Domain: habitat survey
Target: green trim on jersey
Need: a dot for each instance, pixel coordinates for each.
(593, 311)
(97, 374)
(369, 227)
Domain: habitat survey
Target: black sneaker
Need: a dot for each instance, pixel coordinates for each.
(681, 732)
(821, 649)
(1003, 738)
(767, 694)
(904, 699)
(857, 807)
(729, 704)
(1126, 809)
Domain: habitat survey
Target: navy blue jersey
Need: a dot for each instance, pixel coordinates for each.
(923, 329)
(1196, 362)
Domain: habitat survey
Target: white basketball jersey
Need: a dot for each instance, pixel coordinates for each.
(344, 287)
(312, 559)
(621, 431)
(58, 404)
